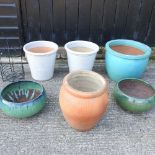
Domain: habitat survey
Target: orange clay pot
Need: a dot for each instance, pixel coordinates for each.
(83, 99)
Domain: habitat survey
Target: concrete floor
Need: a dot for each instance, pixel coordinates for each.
(118, 133)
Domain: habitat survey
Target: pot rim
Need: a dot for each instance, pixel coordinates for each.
(136, 98)
(55, 46)
(145, 48)
(94, 50)
(21, 103)
(82, 93)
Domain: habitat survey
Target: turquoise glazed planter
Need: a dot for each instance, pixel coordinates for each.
(22, 99)
(120, 66)
(134, 95)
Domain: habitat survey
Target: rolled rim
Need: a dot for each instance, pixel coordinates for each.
(135, 79)
(85, 94)
(32, 44)
(95, 47)
(146, 49)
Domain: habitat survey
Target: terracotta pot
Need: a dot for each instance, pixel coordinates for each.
(83, 99)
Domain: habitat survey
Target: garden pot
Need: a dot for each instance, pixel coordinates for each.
(22, 99)
(134, 95)
(81, 55)
(41, 59)
(83, 99)
(126, 59)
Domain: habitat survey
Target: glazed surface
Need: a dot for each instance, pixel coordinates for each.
(22, 95)
(127, 50)
(41, 49)
(30, 94)
(136, 89)
(81, 49)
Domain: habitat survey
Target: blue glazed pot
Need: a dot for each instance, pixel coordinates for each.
(22, 99)
(120, 66)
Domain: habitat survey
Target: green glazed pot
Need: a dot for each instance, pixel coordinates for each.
(134, 104)
(22, 99)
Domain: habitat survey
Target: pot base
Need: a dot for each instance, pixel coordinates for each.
(81, 126)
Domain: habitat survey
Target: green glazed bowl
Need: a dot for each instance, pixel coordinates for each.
(140, 100)
(22, 99)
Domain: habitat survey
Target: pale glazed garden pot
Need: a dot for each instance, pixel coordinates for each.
(83, 99)
(81, 60)
(41, 64)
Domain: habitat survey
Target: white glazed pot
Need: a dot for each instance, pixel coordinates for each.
(81, 60)
(41, 64)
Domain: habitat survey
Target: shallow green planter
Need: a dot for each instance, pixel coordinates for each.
(131, 103)
(22, 99)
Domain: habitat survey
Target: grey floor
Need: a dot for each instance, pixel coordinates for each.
(118, 133)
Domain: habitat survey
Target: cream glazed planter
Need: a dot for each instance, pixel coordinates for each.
(41, 64)
(81, 60)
